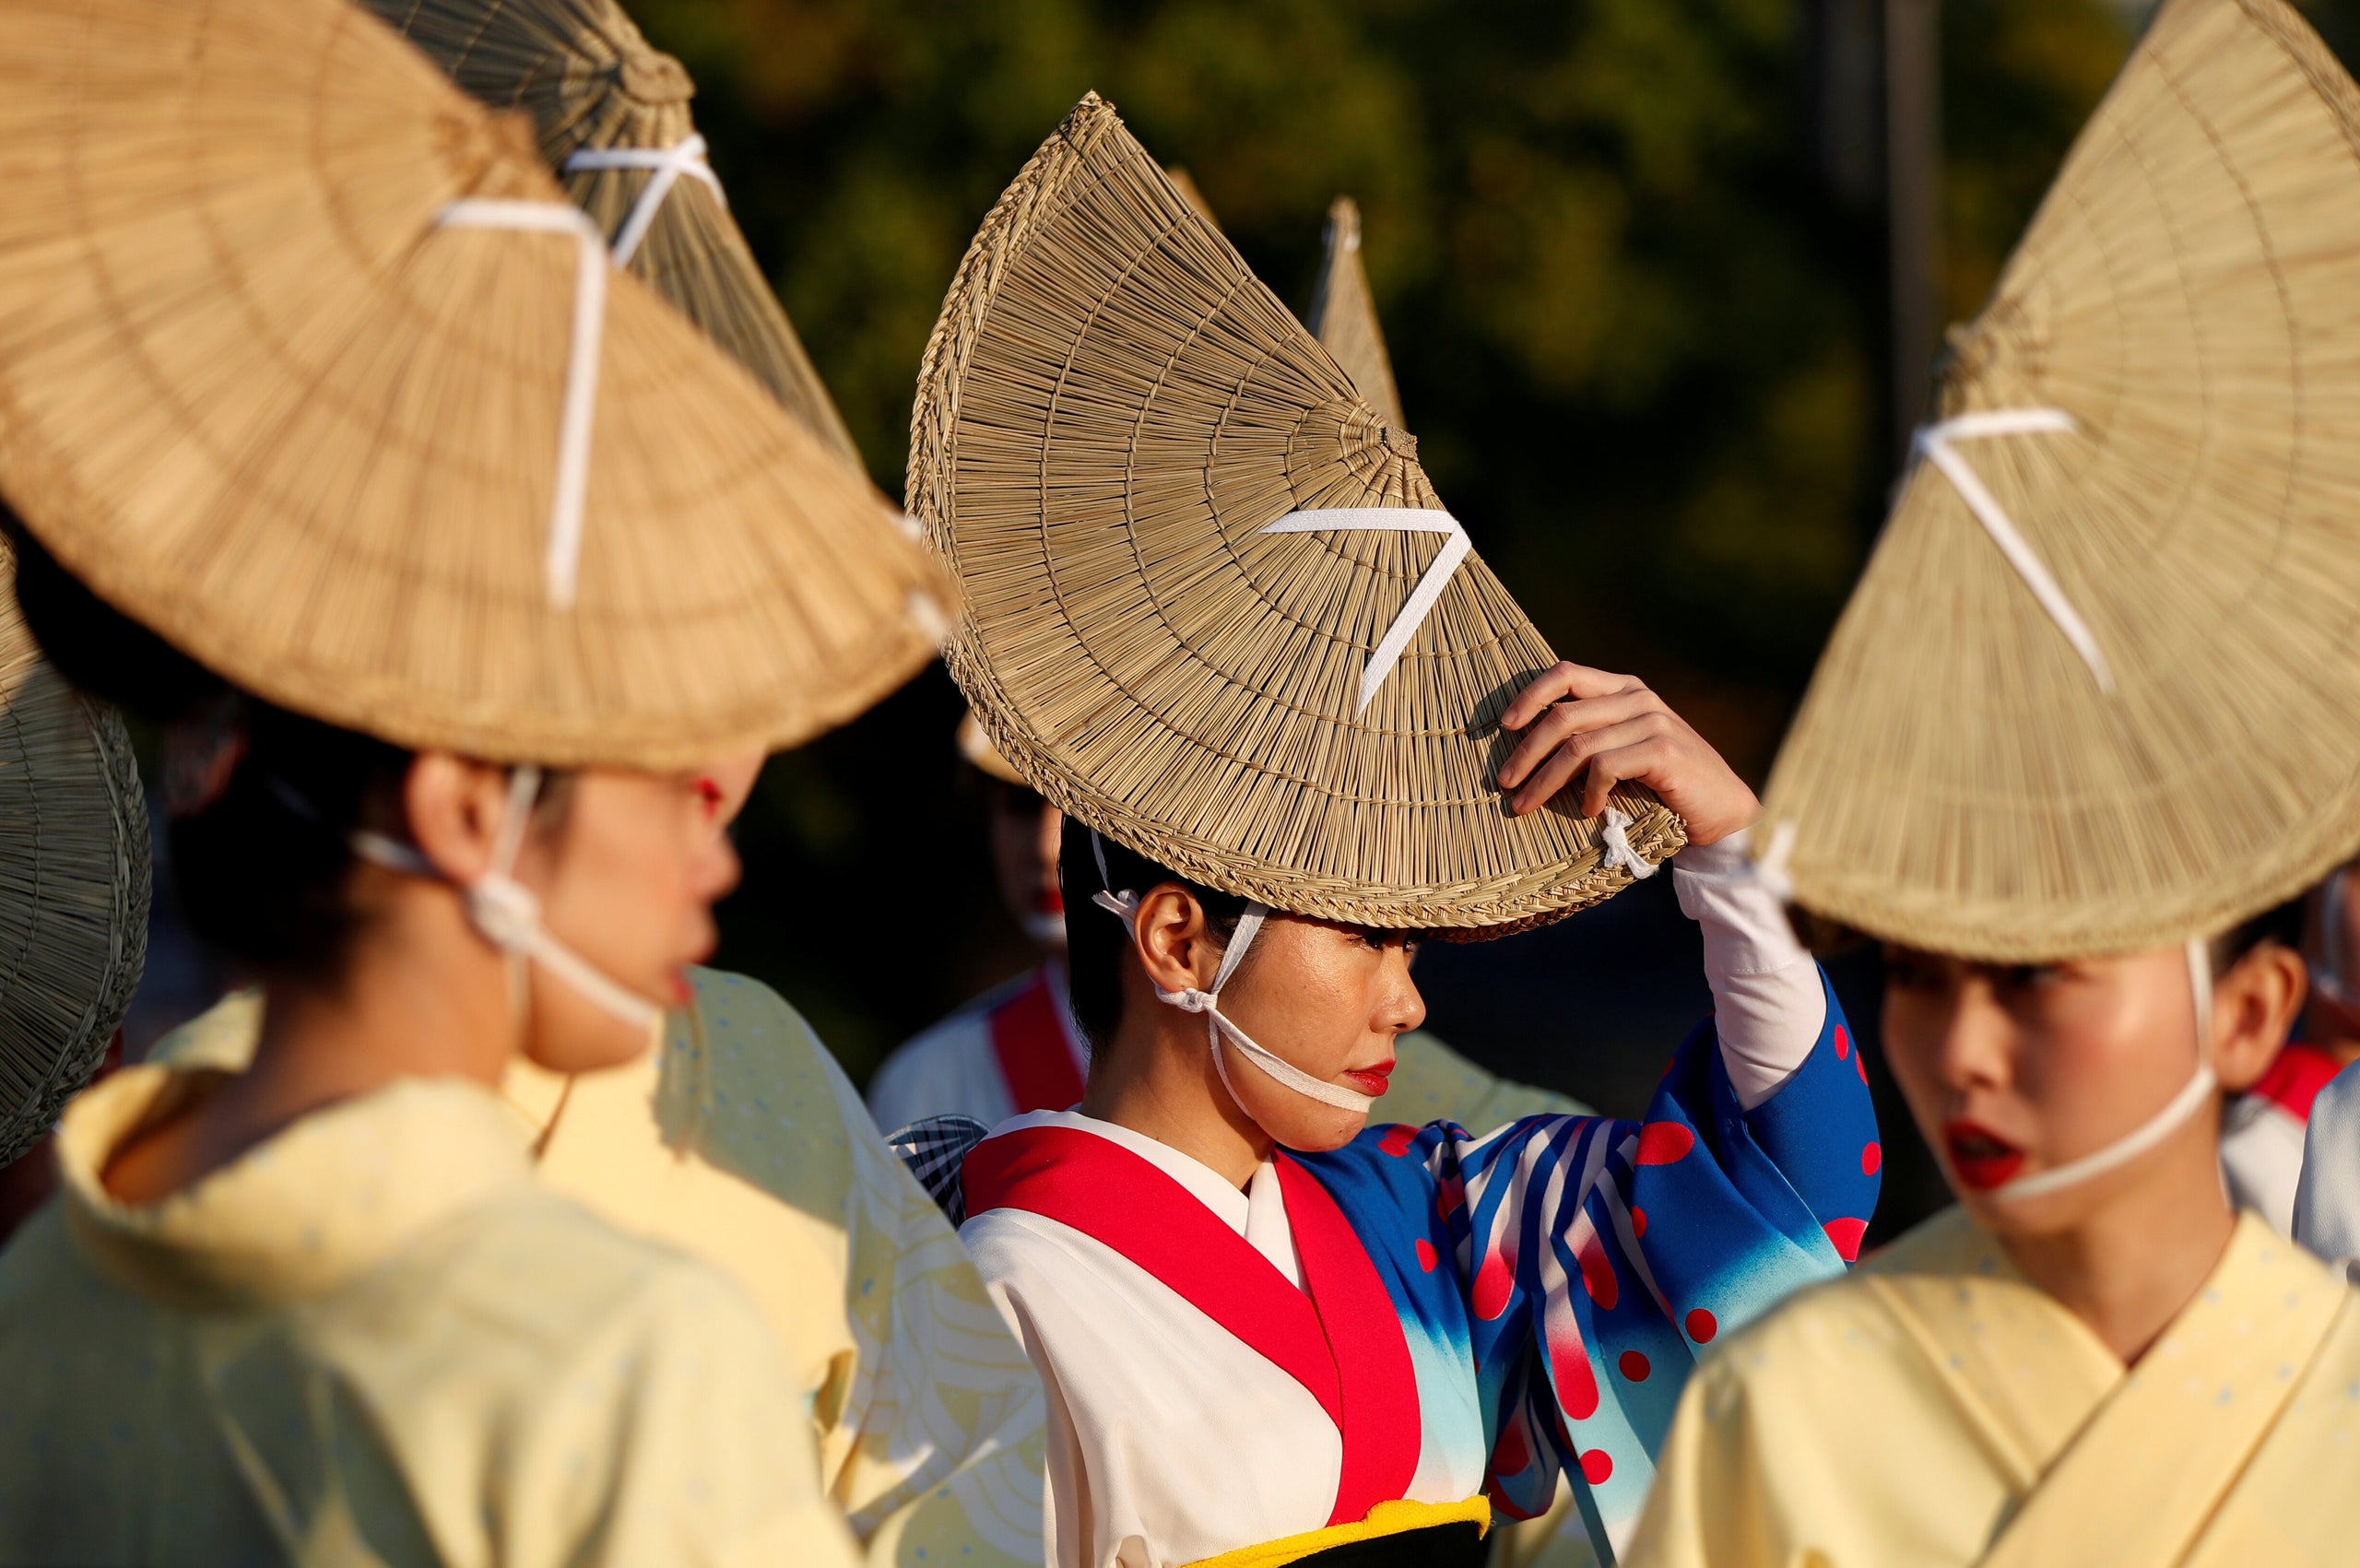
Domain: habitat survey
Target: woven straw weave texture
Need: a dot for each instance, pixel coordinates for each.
(1343, 315)
(2188, 294)
(591, 82)
(258, 397)
(1112, 408)
(74, 882)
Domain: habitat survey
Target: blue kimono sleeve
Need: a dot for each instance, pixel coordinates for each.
(1573, 1267)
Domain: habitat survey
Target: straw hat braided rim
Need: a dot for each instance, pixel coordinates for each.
(1471, 911)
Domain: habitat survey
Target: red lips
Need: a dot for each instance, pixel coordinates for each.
(1980, 1158)
(1371, 1081)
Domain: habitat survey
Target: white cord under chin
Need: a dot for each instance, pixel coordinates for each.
(1125, 906)
(2156, 1128)
(506, 914)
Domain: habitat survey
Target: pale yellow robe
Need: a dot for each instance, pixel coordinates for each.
(377, 1338)
(742, 1143)
(1936, 1408)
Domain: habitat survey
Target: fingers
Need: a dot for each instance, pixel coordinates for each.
(1559, 681)
(1588, 750)
(1642, 760)
(1567, 719)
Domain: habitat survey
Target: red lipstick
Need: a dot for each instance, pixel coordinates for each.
(1372, 1082)
(1980, 1158)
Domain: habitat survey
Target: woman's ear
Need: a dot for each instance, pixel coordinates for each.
(2254, 1006)
(1171, 938)
(454, 808)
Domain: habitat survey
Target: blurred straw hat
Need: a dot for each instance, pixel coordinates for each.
(593, 85)
(1112, 416)
(1343, 315)
(2099, 686)
(74, 882)
(1185, 185)
(269, 392)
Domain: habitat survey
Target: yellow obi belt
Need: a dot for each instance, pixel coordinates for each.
(1394, 1535)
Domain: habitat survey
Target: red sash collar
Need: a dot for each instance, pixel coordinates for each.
(1034, 1052)
(1340, 1336)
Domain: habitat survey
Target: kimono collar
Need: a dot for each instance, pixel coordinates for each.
(331, 1196)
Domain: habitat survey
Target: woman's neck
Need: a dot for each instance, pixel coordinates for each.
(1159, 1080)
(421, 996)
(2128, 1266)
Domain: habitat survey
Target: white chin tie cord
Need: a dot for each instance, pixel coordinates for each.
(2157, 1128)
(506, 914)
(1125, 906)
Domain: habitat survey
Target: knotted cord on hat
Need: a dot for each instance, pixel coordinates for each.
(1421, 599)
(2155, 1128)
(564, 560)
(1125, 906)
(1934, 442)
(506, 914)
(686, 156)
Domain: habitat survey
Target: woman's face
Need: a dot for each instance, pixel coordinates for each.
(627, 879)
(2015, 1069)
(1329, 999)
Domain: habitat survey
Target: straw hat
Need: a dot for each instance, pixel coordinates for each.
(593, 85)
(2144, 725)
(1185, 185)
(1343, 315)
(74, 882)
(266, 389)
(982, 754)
(1112, 415)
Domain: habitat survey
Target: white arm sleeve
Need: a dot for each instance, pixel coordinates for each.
(2327, 1200)
(1768, 1005)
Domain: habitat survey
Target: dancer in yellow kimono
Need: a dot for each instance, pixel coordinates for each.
(2121, 584)
(448, 556)
(740, 1141)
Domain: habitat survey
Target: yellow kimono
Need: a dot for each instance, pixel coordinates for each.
(1936, 1408)
(742, 1143)
(375, 1339)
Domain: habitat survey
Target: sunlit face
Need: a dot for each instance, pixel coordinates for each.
(2015, 1069)
(627, 879)
(1327, 998)
(1025, 832)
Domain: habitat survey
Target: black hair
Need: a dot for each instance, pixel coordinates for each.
(263, 863)
(2282, 925)
(1097, 944)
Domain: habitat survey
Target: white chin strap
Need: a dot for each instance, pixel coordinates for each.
(1125, 905)
(2157, 1128)
(506, 914)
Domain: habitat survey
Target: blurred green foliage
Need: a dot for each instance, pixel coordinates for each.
(1640, 339)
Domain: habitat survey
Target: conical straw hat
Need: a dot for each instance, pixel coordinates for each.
(1183, 182)
(2150, 728)
(1343, 315)
(74, 882)
(977, 748)
(264, 389)
(1112, 415)
(594, 85)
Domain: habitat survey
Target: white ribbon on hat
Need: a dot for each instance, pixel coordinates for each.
(1617, 846)
(667, 164)
(1392, 520)
(1125, 906)
(1934, 441)
(2155, 1128)
(563, 560)
(506, 914)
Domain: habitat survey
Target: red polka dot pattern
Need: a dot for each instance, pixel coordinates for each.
(1662, 1143)
(1576, 1382)
(1703, 1325)
(1598, 1272)
(1860, 1065)
(1596, 1465)
(1635, 1366)
(1844, 1236)
(1638, 1220)
(1871, 1158)
(1426, 1258)
(1842, 1044)
(1397, 1139)
(1493, 1283)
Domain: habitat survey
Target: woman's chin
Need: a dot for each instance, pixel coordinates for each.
(1319, 1130)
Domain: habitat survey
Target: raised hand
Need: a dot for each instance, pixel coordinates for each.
(1577, 718)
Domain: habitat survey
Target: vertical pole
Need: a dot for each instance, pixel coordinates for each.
(1913, 202)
